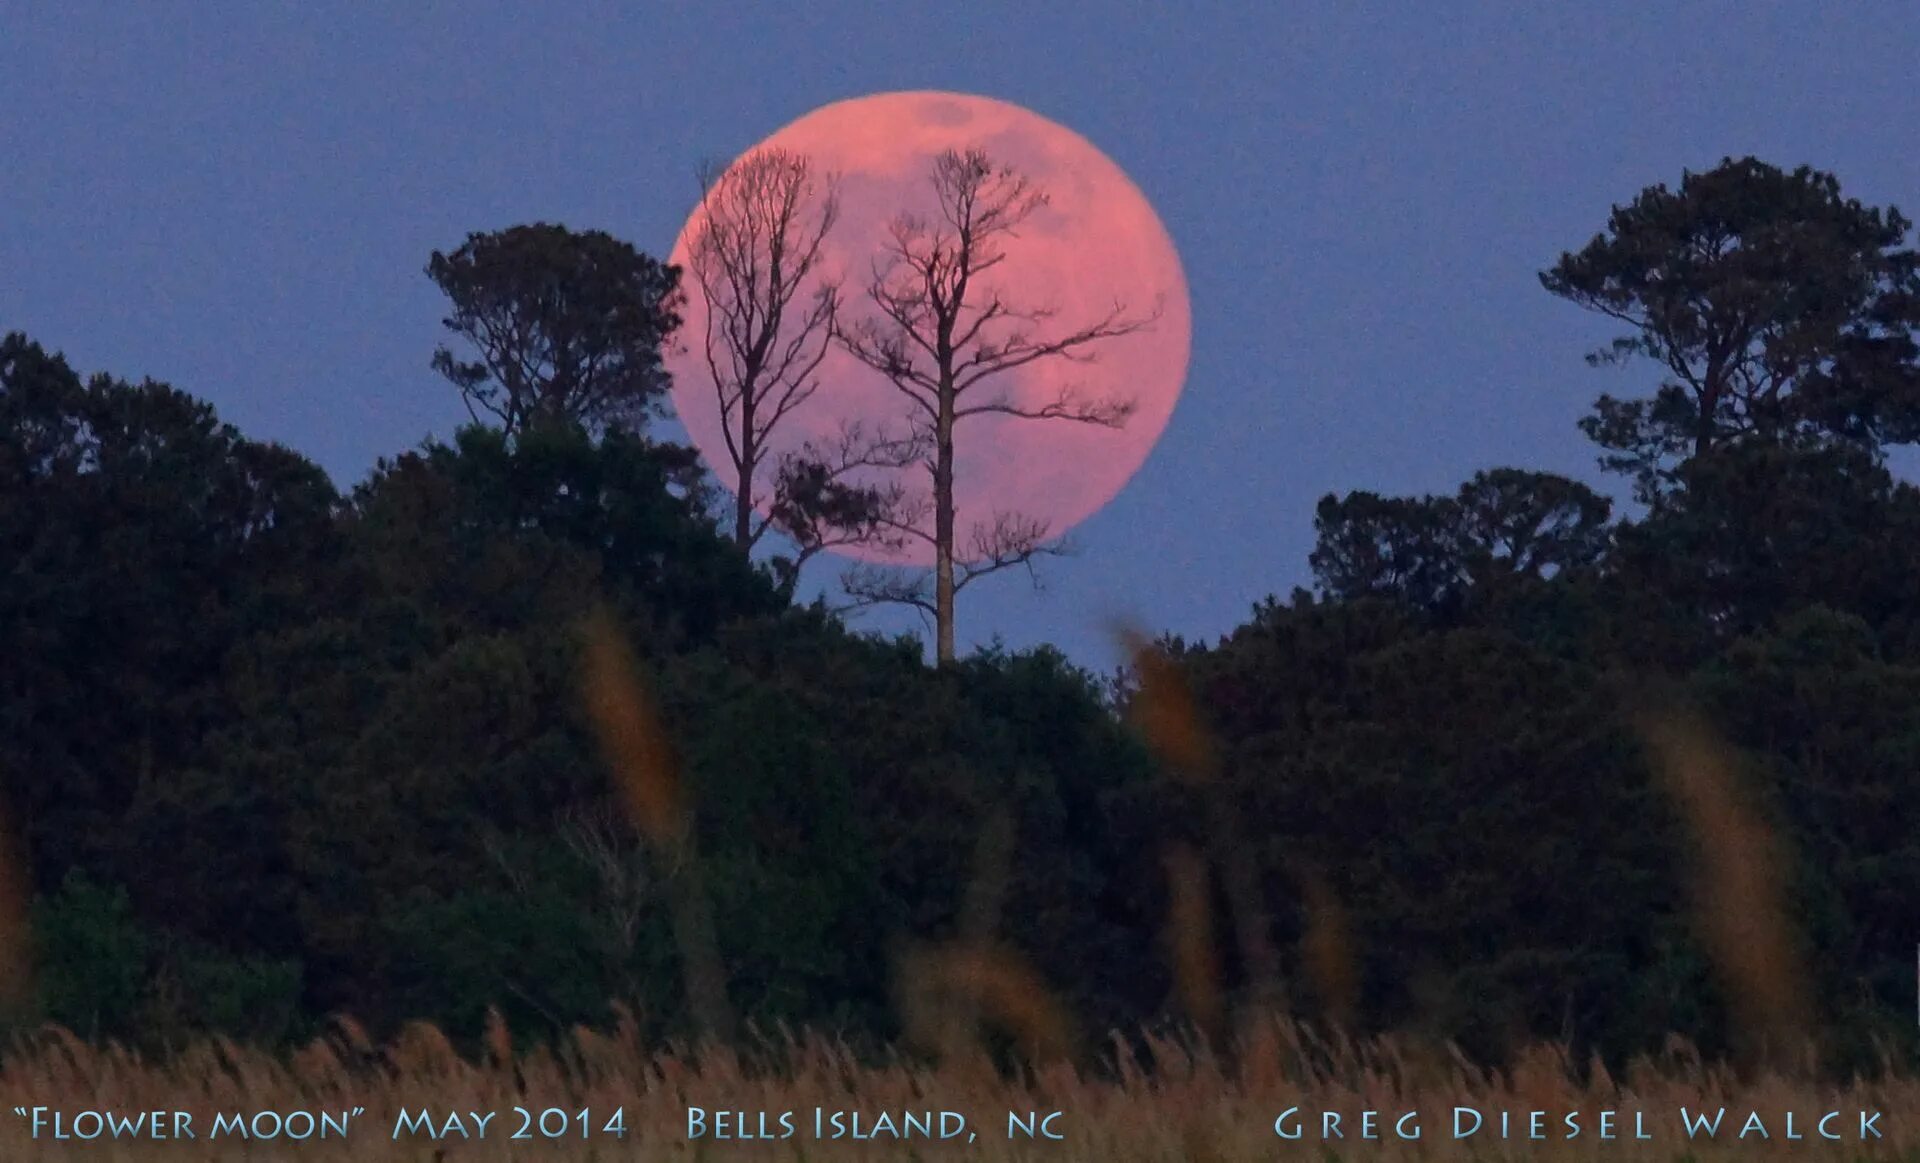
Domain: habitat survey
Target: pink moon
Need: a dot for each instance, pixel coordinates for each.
(1097, 241)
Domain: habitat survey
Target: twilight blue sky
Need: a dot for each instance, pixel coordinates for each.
(239, 198)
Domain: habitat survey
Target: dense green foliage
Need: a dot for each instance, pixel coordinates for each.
(1773, 306)
(275, 752)
(567, 325)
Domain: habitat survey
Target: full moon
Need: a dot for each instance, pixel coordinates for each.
(1096, 243)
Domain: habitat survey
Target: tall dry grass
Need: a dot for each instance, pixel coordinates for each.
(1169, 1102)
(1738, 887)
(646, 773)
(1212, 1095)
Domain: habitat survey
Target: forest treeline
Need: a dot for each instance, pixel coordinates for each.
(273, 751)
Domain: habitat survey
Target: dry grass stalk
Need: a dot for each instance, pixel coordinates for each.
(498, 1039)
(1164, 712)
(1190, 943)
(1186, 1105)
(1168, 717)
(953, 1027)
(1327, 950)
(993, 982)
(647, 773)
(631, 734)
(1738, 891)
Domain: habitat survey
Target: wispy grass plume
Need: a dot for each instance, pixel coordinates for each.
(1168, 718)
(1739, 897)
(1165, 714)
(955, 1027)
(1327, 951)
(647, 773)
(989, 980)
(1191, 949)
(1186, 1106)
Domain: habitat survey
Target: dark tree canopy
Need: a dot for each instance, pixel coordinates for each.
(565, 325)
(142, 541)
(1532, 524)
(1369, 545)
(1757, 532)
(1427, 551)
(1775, 307)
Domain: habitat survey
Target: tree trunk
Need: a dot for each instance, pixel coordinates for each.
(1705, 425)
(943, 534)
(743, 488)
(743, 513)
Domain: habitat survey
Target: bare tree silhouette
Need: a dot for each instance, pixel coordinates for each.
(946, 340)
(756, 257)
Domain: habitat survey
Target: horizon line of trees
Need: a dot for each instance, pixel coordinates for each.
(272, 751)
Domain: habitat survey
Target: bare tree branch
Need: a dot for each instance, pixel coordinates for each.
(1069, 403)
(826, 497)
(1010, 539)
(1020, 348)
(600, 839)
(936, 332)
(756, 258)
(871, 585)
